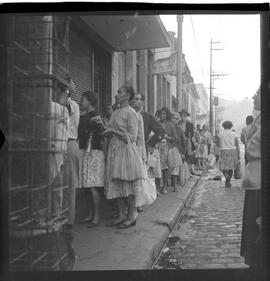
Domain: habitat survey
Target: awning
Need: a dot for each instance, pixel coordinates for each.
(125, 33)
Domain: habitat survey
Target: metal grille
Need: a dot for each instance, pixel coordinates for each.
(38, 56)
(80, 64)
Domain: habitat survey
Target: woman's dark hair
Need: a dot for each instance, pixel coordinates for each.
(227, 125)
(168, 113)
(249, 119)
(91, 97)
(129, 90)
(61, 86)
(115, 106)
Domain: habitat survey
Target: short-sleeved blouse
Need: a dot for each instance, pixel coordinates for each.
(227, 139)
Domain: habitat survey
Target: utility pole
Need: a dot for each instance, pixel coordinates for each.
(211, 84)
(179, 62)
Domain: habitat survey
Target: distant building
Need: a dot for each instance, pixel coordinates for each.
(202, 106)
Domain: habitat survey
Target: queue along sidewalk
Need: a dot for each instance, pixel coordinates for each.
(106, 248)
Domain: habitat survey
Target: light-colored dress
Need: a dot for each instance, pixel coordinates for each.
(201, 151)
(124, 120)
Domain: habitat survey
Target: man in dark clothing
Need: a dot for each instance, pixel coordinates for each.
(188, 128)
(151, 124)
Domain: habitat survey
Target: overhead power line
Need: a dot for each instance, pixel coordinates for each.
(196, 43)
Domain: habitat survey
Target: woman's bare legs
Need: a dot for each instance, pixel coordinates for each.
(96, 203)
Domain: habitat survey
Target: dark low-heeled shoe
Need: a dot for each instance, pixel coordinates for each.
(227, 184)
(114, 223)
(124, 225)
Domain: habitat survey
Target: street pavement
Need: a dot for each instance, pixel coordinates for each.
(210, 230)
(104, 248)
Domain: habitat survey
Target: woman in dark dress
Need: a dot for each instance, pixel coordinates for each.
(92, 169)
(168, 142)
(250, 242)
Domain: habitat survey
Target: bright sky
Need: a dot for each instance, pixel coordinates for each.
(239, 36)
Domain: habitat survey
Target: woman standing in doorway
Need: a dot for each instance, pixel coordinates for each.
(123, 130)
(230, 152)
(93, 163)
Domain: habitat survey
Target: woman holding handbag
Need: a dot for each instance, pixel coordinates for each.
(124, 167)
(92, 164)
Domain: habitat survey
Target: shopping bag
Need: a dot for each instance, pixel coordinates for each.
(184, 173)
(128, 164)
(211, 159)
(147, 193)
(174, 157)
(237, 171)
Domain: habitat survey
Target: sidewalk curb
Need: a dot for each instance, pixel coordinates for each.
(157, 247)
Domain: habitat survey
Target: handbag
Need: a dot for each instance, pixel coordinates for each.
(237, 171)
(182, 175)
(174, 157)
(128, 165)
(147, 193)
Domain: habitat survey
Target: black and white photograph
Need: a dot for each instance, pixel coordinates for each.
(133, 140)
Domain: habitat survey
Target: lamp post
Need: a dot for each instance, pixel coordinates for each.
(179, 62)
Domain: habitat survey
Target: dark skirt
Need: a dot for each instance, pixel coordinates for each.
(252, 210)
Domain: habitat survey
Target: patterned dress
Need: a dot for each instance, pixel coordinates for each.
(92, 162)
(124, 120)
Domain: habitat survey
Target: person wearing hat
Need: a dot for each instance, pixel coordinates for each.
(63, 91)
(188, 128)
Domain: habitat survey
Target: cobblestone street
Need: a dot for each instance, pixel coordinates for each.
(210, 229)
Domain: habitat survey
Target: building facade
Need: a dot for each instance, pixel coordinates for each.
(41, 51)
(202, 112)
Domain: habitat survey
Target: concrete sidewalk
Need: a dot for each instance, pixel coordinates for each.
(106, 248)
